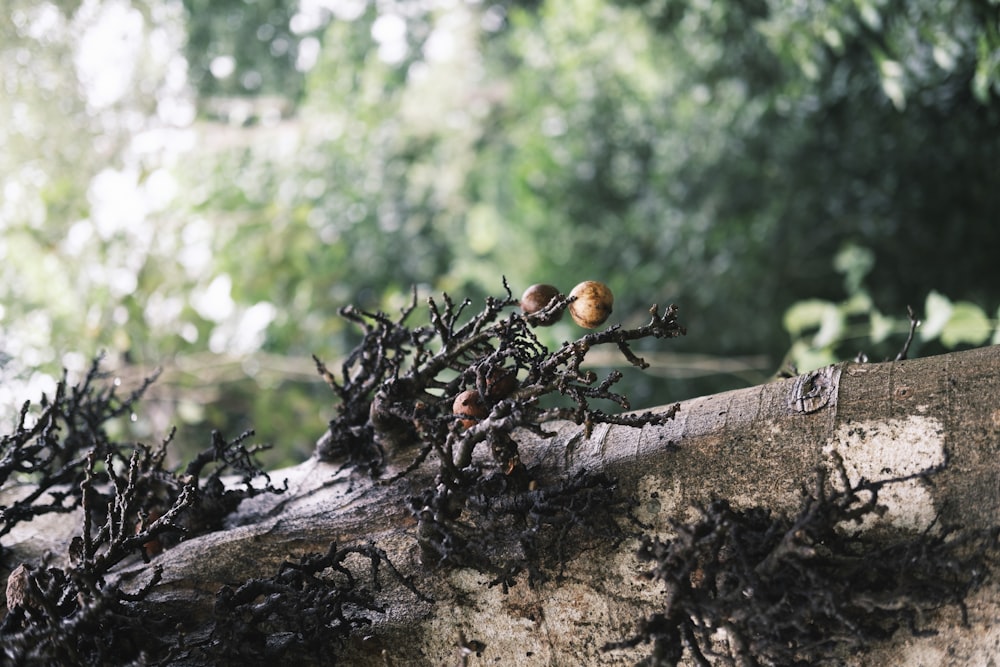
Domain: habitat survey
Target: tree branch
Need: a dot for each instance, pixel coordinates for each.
(932, 423)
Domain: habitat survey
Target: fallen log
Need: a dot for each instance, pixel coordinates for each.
(932, 425)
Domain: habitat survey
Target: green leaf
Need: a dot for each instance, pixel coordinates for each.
(859, 303)
(881, 327)
(937, 311)
(967, 324)
(807, 358)
(831, 327)
(855, 263)
(996, 331)
(805, 315)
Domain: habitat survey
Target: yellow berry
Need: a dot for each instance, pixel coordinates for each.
(592, 304)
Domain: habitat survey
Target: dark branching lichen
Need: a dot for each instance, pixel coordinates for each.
(67, 617)
(801, 590)
(504, 531)
(398, 392)
(742, 586)
(131, 507)
(398, 385)
(305, 612)
(50, 449)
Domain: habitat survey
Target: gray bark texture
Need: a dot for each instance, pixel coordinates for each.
(755, 447)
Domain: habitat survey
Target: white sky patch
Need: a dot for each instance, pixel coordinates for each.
(116, 203)
(195, 254)
(160, 188)
(167, 144)
(121, 281)
(15, 390)
(222, 66)
(308, 54)
(440, 46)
(21, 201)
(243, 335)
(883, 449)
(389, 30)
(313, 14)
(215, 302)
(29, 345)
(189, 332)
(108, 51)
(75, 362)
(163, 311)
(78, 237)
(45, 21)
(346, 10)
(448, 38)
(176, 111)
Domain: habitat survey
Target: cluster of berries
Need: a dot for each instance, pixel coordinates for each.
(589, 304)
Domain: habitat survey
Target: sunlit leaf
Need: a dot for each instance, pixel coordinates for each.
(881, 327)
(893, 89)
(855, 263)
(806, 315)
(870, 15)
(967, 324)
(857, 304)
(831, 327)
(996, 330)
(937, 311)
(807, 358)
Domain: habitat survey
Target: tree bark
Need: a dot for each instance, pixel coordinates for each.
(755, 447)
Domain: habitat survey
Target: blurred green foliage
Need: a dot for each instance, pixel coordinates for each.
(199, 186)
(825, 332)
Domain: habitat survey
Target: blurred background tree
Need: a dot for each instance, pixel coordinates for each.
(199, 186)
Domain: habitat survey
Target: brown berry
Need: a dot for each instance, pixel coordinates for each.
(153, 547)
(20, 589)
(469, 404)
(592, 304)
(500, 384)
(536, 298)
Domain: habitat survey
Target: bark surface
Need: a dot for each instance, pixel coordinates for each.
(756, 447)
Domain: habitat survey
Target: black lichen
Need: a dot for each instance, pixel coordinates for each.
(502, 530)
(486, 508)
(397, 387)
(50, 449)
(467, 383)
(747, 587)
(67, 617)
(70, 610)
(305, 612)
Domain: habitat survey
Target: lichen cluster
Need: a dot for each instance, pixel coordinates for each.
(69, 608)
(749, 587)
(309, 608)
(484, 508)
(441, 408)
(464, 384)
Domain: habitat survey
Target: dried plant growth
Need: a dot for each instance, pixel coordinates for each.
(464, 383)
(746, 587)
(502, 531)
(305, 612)
(437, 411)
(131, 507)
(398, 386)
(50, 449)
